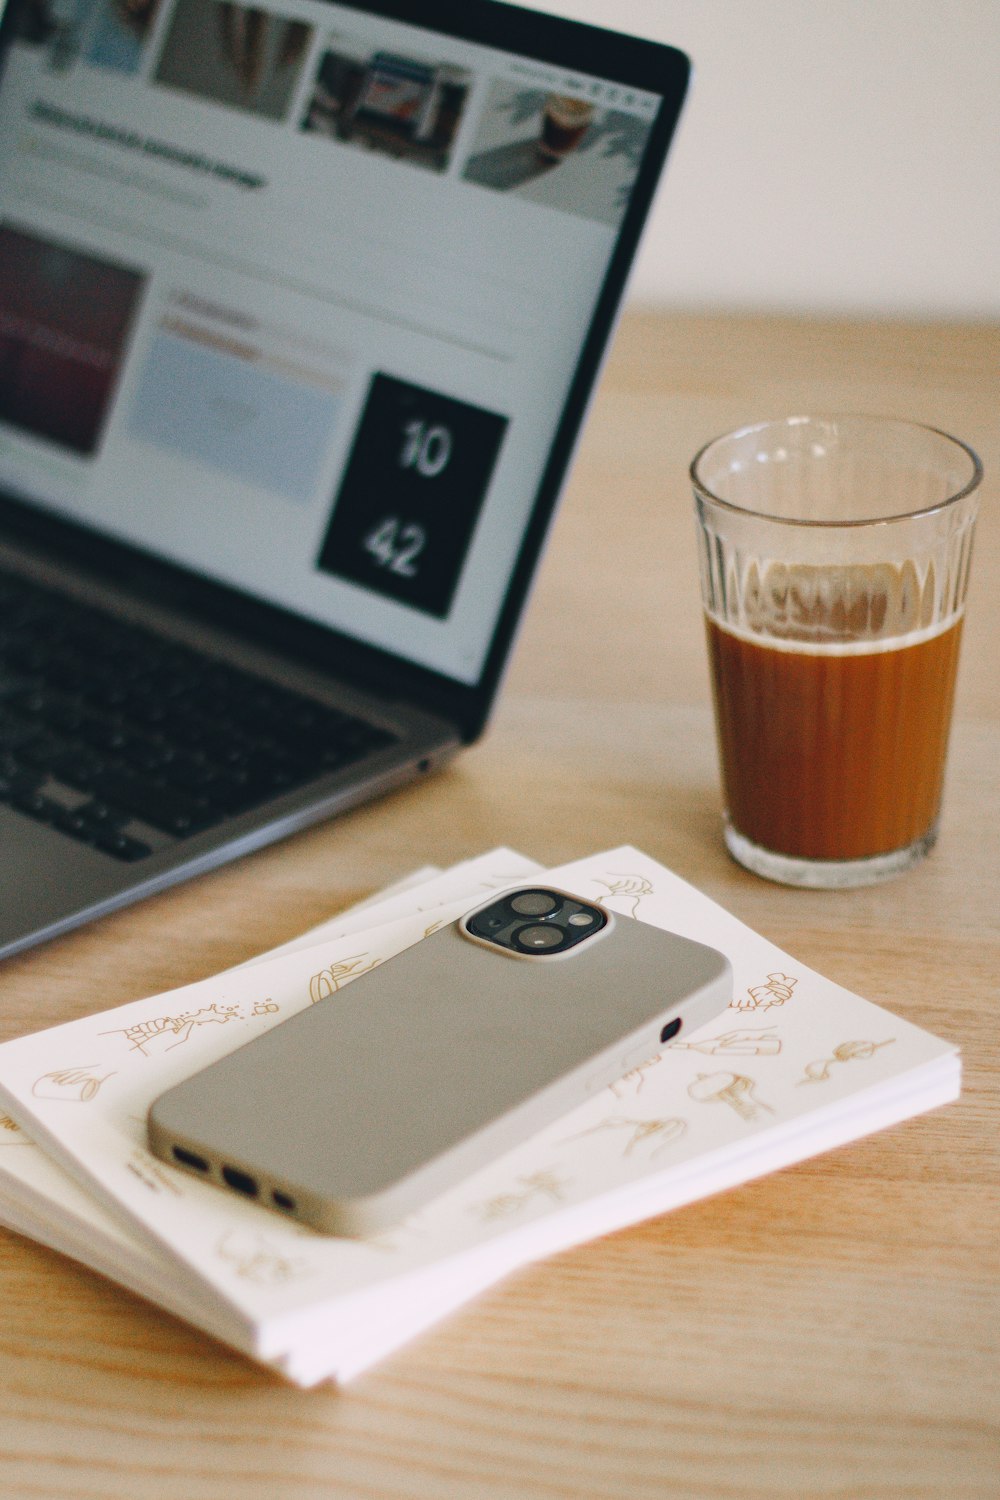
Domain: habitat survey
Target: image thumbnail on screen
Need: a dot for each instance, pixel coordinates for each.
(234, 55)
(104, 33)
(64, 321)
(404, 107)
(563, 150)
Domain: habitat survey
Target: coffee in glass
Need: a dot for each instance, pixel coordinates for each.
(835, 556)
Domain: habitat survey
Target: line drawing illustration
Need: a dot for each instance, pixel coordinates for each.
(174, 1030)
(734, 1089)
(626, 888)
(544, 1183)
(255, 1259)
(775, 990)
(79, 1085)
(636, 1075)
(748, 1041)
(665, 1132)
(819, 1071)
(328, 981)
(11, 1133)
(266, 1007)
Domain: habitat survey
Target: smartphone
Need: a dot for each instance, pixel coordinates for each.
(358, 1111)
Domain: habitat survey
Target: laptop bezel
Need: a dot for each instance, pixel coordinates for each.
(624, 59)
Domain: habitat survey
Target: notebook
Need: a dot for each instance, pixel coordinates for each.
(300, 309)
(796, 1066)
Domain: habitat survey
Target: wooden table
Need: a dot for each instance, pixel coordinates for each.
(829, 1331)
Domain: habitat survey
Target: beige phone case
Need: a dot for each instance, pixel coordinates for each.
(360, 1109)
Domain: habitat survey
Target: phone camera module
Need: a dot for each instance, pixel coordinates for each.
(534, 904)
(536, 921)
(539, 939)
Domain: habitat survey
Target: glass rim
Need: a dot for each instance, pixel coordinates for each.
(704, 493)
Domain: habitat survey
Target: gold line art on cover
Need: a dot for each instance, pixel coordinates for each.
(628, 889)
(174, 1030)
(80, 1084)
(11, 1133)
(775, 990)
(734, 1089)
(545, 1183)
(257, 1259)
(664, 1131)
(819, 1072)
(328, 981)
(635, 1076)
(743, 1042)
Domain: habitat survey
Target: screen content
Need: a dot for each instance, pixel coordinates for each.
(294, 296)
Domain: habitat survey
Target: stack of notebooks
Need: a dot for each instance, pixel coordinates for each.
(796, 1066)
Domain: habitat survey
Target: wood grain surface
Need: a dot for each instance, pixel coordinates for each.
(830, 1331)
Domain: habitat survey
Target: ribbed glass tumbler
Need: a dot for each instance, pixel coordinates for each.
(835, 555)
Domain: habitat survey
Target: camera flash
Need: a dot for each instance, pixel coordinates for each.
(580, 919)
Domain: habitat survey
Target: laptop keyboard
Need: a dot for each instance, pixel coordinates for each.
(127, 741)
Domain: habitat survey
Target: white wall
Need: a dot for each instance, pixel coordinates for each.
(837, 156)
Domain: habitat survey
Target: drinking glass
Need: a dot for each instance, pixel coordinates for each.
(835, 555)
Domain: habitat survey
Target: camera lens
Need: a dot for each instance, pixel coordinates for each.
(537, 939)
(534, 904)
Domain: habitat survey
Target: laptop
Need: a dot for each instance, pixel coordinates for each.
(301, 306)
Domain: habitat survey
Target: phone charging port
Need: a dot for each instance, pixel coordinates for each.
(241, 1181)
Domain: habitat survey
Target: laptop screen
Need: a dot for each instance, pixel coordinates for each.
(294, 296)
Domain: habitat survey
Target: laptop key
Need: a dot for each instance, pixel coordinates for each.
(44, 809)
(15, 731)
(16, 780)
(159, 806)
(74, 765)
(54, 710)
(121, 846)
(76, 824)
